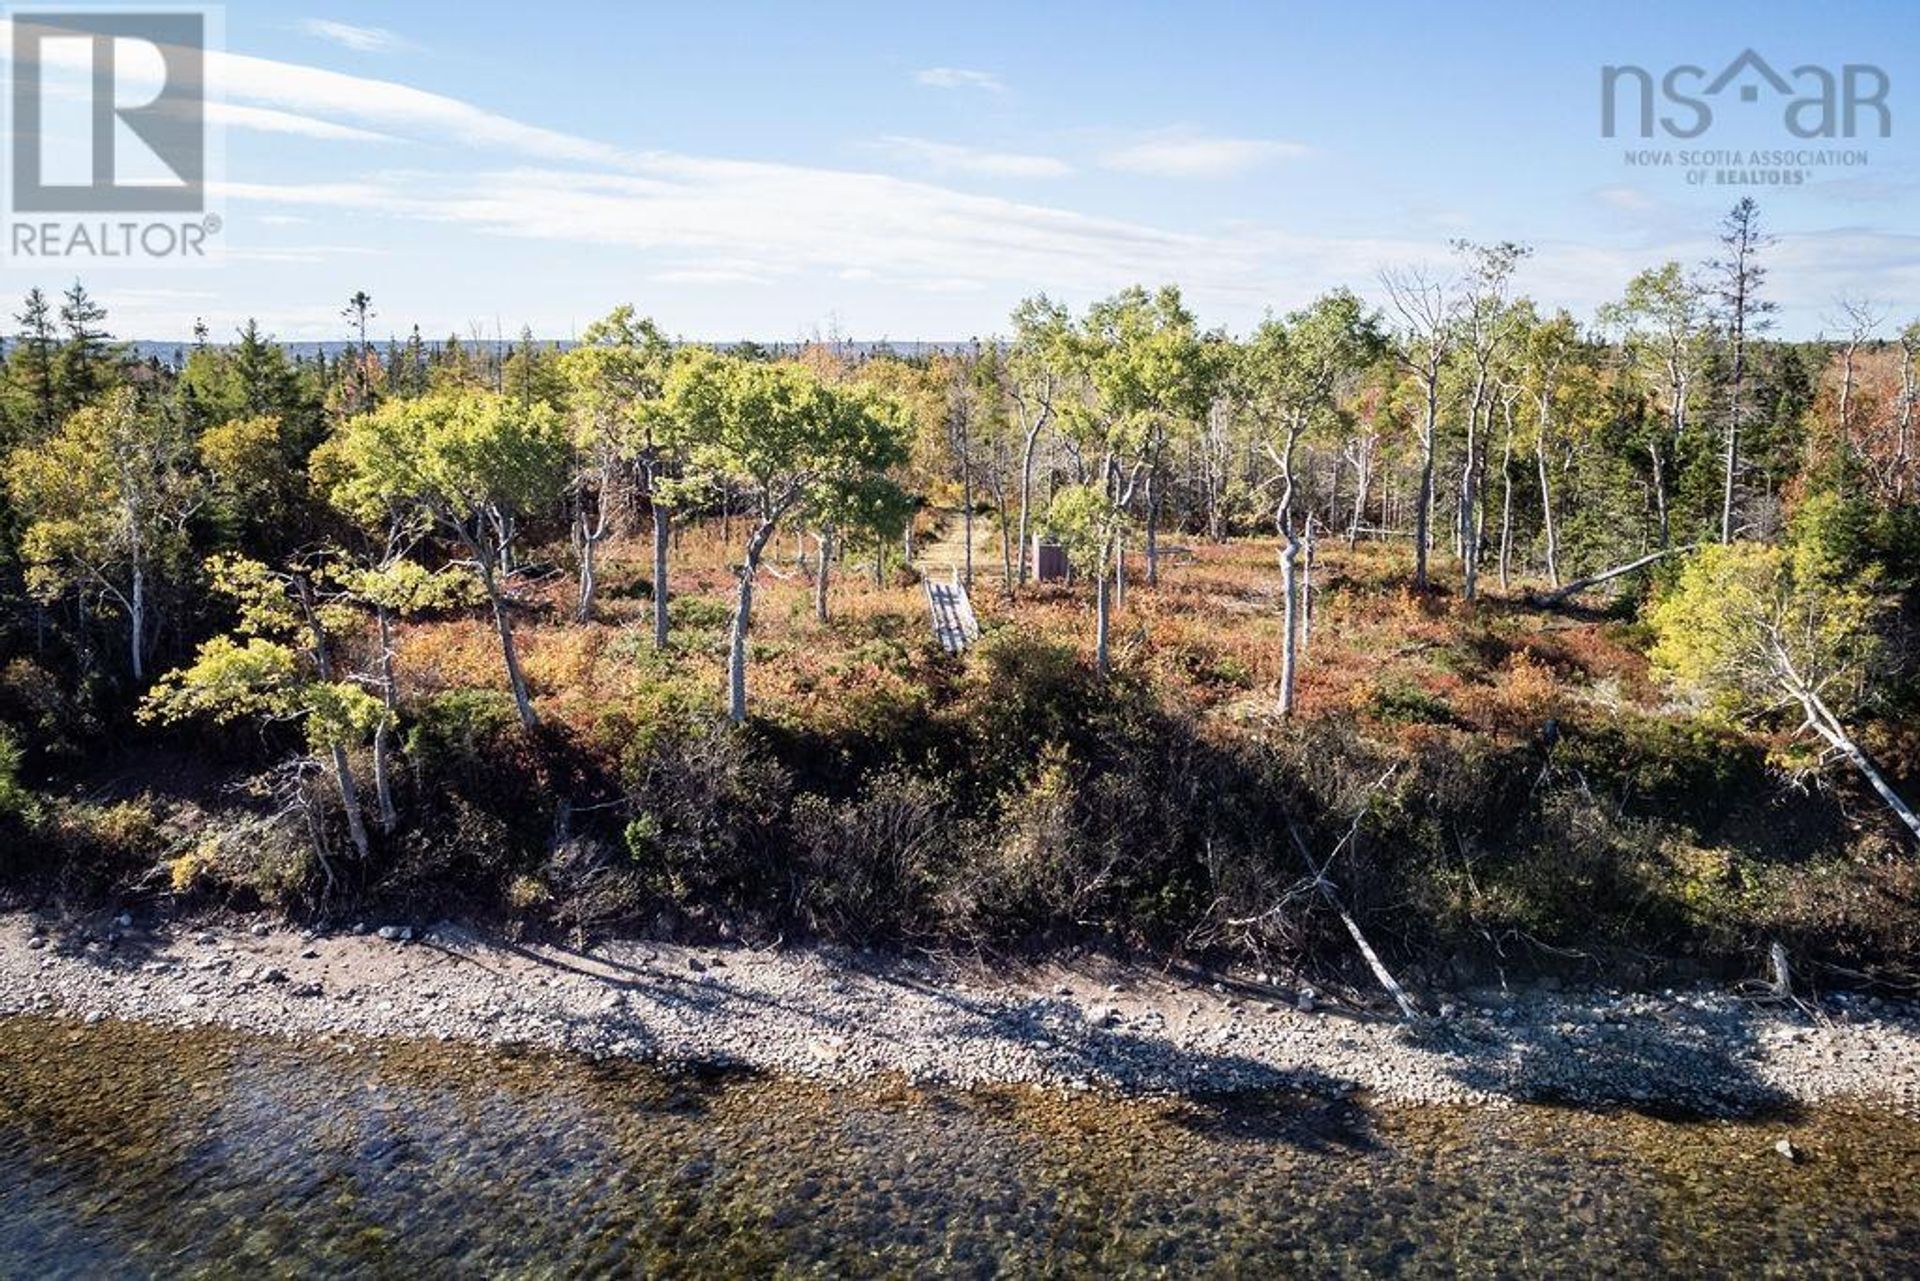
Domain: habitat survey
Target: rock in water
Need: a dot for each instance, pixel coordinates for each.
(1786, 1149)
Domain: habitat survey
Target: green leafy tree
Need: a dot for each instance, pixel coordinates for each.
(254, 468)
(277, 666)
(614, 379)
(106, 500)
(1038, 368)
(1665, 339)
(470, 464)
(531, 374)
(1141, 367)
(1759, 628)
(1294, 374)
(777, 434)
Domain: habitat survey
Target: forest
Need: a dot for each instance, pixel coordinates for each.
(1522, 640)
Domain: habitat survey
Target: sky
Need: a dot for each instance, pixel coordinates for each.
(909, 172)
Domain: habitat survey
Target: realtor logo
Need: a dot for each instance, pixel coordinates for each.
(133, 126)
(1849, 101)
(112, 156)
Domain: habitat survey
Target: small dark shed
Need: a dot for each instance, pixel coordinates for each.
(1049, 561)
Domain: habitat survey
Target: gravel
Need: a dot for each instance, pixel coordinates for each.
(1092, 1023)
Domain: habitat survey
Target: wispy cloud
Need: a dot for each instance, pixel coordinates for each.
(1179, 154)
(1624, 199)
(959, 78)
(358, 39)
(947, 157)
(269, 120)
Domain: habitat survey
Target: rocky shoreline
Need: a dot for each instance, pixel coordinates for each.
(1088, 1024)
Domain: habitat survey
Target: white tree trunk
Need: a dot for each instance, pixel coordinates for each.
(1290, 611)
(389, 697)
(350, 801)
(1102, 621)
(662, 532)
(503, 625)
(138, 610)
(1828, 726)
(825, 539)
(742, 623)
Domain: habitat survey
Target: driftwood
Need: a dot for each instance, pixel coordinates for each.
(1782, 971)
(1560, 594)
(1331, 894)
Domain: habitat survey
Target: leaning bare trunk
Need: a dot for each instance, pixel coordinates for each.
(1828, 726)
(1546, 519)
(350, 801)
(1467, 532)
(1658, 473)
(742, 621)
(1423, 512)
(522, 701)
(383, 776)
(1363, 477)
(1579, 585)
(1470, 518)
(1506, 507)
(1732, 460)
(587, 541)
(966, 532)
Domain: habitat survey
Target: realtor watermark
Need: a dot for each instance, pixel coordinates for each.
(113, 154)
(1820, 117)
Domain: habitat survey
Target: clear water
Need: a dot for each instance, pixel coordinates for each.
(127, 1150)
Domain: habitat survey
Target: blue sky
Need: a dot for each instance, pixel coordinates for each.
(910, 171)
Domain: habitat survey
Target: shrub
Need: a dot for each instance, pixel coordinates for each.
(713, 804)
(17, 804)
(455, 732)
(870, 863)
(1401, 702)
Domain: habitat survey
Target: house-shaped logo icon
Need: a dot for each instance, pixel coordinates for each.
(1749, 61)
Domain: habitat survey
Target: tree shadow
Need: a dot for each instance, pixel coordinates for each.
(1679, 1064)
(1031, 1040)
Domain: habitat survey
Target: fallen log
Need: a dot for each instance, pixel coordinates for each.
(1560, 594)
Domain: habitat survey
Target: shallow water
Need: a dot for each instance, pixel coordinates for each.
(128, 1150)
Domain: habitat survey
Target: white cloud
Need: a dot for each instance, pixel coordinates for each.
(358, 39)
(959, 78)
(947, 157)
(390, 107)
(1188, 155)
(268, 120)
